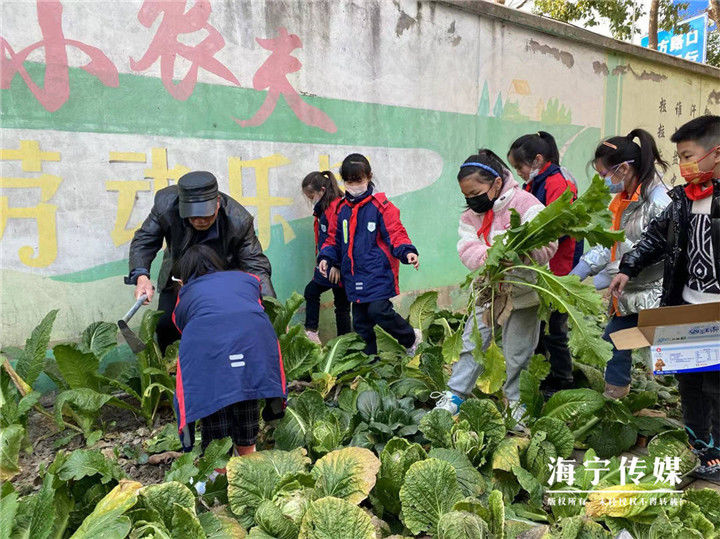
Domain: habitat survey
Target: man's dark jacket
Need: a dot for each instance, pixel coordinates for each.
(237, 243)
(667, 237)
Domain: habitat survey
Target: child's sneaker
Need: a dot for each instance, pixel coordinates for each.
(418, 339)
(313, 336)
(447, 400)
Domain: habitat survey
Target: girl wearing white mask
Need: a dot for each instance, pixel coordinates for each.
(630, 170)
(367, 241)
(323, 192)
(536, 159)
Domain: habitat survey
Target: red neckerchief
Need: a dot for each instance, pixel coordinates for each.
(484, 230)
(695, 191)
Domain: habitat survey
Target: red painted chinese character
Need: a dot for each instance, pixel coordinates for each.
(56, 89)
(273, 76)
(166, 47)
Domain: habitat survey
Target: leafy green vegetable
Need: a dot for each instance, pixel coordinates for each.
(295, 429)
(252, 478)
(484, 417)
(436, 426)
(470, 481)
(347, 473)
(328, 518)
(673, 444)
(272, 521)
(430, 490)
(497, 513)
(107, 519)
(88, 462)
(558, 434)
(34, 516)
(99, 338)
(395, 459)
(461, 525)
(10, 441)
(422, 310)
(570, 404)
(493, 375)
(30, 364)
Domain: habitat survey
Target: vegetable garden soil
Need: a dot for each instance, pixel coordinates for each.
(124, 434)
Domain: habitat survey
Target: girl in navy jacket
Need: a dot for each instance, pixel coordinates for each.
(229, 353)
(322, 190)
(366, 240)
(536, 159)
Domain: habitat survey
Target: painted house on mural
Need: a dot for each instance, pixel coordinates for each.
(104, 103)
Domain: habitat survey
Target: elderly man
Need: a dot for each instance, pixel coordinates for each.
(190, 213)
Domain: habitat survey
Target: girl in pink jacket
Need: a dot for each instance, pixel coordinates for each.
(490, 193)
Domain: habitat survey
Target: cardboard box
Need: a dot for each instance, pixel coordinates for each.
(685, 338)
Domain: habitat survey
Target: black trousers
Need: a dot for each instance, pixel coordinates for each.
(313, 291)
(554, 342)
(166, 331)
(382, 313)
(700, 400)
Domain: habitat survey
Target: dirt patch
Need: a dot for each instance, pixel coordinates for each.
(123, 438)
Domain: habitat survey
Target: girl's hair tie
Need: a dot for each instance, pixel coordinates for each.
(609, 145)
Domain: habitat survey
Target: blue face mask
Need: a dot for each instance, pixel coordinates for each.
(614, 187)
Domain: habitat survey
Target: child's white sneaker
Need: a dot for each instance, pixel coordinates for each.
(418, 339)
(313, 336)
(447, 400)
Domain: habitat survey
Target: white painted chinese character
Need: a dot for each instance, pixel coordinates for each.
(633, 471)
(693, 56)
(596, 465)
(563, 471)
(663, 45)
(676, 43)
(691, 38)
(674, 501)
(667, 470)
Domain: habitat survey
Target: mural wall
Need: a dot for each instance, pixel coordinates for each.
(104, 103)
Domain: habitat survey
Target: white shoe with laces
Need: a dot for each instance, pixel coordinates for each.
(447, 400)
(418, 339)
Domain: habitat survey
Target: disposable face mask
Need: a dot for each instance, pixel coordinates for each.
(534, 171)
(614, 187)
(480, 203)
(356, 189)
(691, 172)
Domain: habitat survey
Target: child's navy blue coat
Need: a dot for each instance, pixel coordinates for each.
(228, 351)
(367, 239)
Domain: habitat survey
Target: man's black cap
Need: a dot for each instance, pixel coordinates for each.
(198, 194)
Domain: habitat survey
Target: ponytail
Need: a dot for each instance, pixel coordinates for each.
(524, 149)
(644, 157)
(317, 181)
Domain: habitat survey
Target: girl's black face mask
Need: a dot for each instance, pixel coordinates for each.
(480, 203)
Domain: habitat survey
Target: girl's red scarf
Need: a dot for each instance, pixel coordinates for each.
(484, 230)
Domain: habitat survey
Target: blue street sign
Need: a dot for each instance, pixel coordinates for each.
(695, 8)
(691, 45)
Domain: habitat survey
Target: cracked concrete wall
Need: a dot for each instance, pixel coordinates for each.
(263, 92)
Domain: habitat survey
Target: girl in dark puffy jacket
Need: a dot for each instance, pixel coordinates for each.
(366, 240)
(536, 159)
(322, 190)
